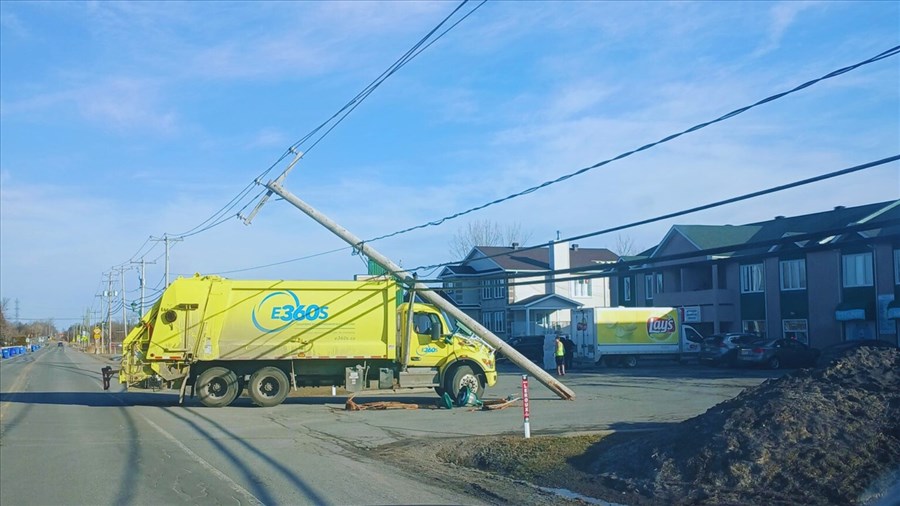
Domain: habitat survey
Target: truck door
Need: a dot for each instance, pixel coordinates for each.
(428, 346)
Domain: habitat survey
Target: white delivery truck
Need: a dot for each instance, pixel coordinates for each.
(618, 336)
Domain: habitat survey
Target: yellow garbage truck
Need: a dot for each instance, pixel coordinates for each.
(221, 336)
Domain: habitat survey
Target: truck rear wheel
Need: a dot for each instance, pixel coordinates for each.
(268, 387)
(629, 361)
(463, 376)
(217, 387)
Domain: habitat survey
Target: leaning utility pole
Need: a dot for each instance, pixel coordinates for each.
(424, 291)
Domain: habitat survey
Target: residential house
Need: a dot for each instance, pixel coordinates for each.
(510, 291)
(821, 278)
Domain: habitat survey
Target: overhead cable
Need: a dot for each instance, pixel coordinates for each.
(224, 214)
(886, 54)
(695, 209)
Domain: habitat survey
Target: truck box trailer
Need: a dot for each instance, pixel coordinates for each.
(222, 336)
(619, 335)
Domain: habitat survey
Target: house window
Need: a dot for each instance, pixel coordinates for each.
(486, 320)
(499, 288)
(486, 289)
(752, 280)
(897, 266)
(582, 288)
(626, 289)
(457, 291)
(796, 329)
(757, 327)
(499, 321)
(659, 282)
(793, 274)
(857, 269)
(648, 286)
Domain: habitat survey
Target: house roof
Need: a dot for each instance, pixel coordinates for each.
(717, 236)
(538, 259)
(546, 299)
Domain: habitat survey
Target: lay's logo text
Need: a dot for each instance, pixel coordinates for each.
(660, 326)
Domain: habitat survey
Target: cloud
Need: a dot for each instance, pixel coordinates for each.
(12, 25)
(111, 103)
(782, 15)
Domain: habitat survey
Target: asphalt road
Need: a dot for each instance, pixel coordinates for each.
(63, 440)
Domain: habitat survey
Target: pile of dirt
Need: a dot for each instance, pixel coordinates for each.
(814, 436)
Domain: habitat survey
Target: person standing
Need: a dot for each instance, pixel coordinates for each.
(560, 354)
(569, 347)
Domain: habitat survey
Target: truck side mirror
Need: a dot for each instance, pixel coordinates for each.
(436, 331)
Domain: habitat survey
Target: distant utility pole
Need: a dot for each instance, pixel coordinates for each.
(109, 294)
(124, 310)
(143, 284)
(167, 239)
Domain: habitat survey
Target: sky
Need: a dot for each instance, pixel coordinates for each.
(125, 122)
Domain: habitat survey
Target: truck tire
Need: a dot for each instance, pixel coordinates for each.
(268, 387)
(463, 376)
(217, 387)
(629, 361)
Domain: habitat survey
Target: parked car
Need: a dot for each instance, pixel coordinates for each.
(835, 351)
(59, 344)
(530, 346)
(721, 349)
(777, 353)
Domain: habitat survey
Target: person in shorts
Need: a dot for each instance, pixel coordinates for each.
(560, 355)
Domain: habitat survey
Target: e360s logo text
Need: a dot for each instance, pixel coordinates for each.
(280, 309)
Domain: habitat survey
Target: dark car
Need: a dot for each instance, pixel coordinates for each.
(721, 349)
(834, 352)
(60, 344)
(530, 346)
(777, 353)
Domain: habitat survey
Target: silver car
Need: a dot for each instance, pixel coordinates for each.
(722, 349)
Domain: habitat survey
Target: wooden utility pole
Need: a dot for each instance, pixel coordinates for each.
(425, 292)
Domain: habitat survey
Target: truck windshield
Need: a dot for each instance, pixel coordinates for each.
(455, 325)
(457, 328)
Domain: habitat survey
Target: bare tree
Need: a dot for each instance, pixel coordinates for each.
(486, 233)
(625, 246)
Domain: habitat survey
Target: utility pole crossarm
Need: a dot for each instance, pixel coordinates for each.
(265, 198)
(425, 292)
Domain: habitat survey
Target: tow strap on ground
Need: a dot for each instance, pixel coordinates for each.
(353, 406)
(465, 399)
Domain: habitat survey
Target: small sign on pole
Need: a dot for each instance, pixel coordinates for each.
(525, 405)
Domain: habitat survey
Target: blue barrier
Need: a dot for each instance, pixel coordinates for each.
(6, 353)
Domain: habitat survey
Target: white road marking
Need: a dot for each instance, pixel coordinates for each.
(219, 474)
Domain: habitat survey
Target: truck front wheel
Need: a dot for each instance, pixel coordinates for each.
(629, 361)
(268, 387)
(217, 387)
(463, 376)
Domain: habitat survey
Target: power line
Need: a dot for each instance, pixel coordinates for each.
(223, 214)
(646, 221)
(652, 264)
(886, 54)
(695, 209)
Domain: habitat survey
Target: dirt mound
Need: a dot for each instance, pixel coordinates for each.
(822, 436)
(814, 436)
